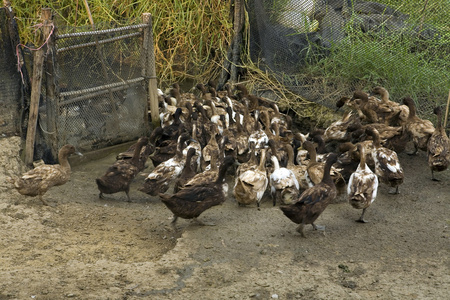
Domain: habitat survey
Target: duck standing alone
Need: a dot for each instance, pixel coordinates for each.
(39, 180)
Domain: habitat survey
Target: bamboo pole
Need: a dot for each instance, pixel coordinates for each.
(446, 110)
(38, 63)
(149, 69)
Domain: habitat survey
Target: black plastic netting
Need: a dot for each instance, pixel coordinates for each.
(285, 35)
(10, 86)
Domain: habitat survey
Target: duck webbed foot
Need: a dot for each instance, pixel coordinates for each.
(434, 178)
(318, 227)
(361, 219)
(128, 196)
(200, 223)
(394, 191)
(301, 230)
(43, 201)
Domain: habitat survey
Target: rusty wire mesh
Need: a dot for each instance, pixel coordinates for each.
(101, 95)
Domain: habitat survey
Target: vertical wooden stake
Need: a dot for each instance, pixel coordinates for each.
(51, 100)
(446, 110)
(149, 69)
(237, 40)
(38, 62)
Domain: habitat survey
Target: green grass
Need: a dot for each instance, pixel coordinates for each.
(402, 62)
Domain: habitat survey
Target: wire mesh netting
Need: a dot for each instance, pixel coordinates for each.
(311, 45)
(10, 88)
(101, 95)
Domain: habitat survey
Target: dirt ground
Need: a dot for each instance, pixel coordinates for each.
(83, 247)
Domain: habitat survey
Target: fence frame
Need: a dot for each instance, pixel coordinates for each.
(48, 54)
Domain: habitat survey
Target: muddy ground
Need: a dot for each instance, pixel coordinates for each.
(83, 247)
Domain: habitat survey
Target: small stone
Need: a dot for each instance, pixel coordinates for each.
(274, 296)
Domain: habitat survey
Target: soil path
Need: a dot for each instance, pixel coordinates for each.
(87, 248)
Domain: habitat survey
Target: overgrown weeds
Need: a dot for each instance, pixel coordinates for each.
(190, 36)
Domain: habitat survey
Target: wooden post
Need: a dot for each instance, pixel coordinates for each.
(38, 62)
(237, 40)
(446, 110)
(51, 99)
(149, 69)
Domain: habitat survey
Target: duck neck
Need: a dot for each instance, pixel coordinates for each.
(137, 153)
(213, 161)
(194, 131)
(276, 164)
(326, 173)
(384, 95)
(290, 152)
(262, 161)
(412, 109)
(312, 154)
(63, 160)
(362, 154)
(439, 119)
(222, 172)
(376, 140)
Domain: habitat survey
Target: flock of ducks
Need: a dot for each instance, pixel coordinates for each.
(206, 136)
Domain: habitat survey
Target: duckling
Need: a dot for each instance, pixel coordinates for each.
(362, 186)
(159, 179)
(188, 172)
(39, 180)
(419, 129)
(438, 147)
(119, 176)
(191, 201)
(313, 201)
(387, 164)
(251, 185)
(284, 185)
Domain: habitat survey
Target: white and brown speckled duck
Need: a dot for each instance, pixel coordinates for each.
(362, 186)
(387, 164)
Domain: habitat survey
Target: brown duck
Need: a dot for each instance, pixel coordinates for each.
(313, 201)
(119, 176)
(190, 202)
(438, 147)
(39, 180)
